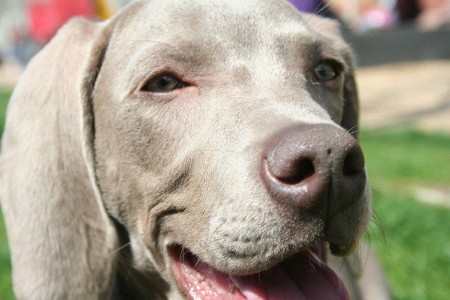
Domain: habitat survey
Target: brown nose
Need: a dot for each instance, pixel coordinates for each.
(314, 167)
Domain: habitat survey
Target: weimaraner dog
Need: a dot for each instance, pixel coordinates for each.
(189, 149)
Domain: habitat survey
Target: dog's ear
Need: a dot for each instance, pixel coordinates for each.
(61, 238)
(331, 30)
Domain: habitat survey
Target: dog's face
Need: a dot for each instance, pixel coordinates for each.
(192, 101)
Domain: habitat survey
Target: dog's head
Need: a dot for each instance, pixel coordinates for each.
(217, 137)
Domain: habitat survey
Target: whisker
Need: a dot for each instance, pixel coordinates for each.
(120, 248)
(352, 130)
(183, 253)
(323, 8)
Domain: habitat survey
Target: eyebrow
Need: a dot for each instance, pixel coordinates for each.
(156, 54)
(191, 52)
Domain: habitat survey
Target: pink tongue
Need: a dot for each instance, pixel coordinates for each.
(302, 277)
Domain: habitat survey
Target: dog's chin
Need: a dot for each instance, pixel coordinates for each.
(302, 276)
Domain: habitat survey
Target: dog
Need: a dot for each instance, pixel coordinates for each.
(188, 149)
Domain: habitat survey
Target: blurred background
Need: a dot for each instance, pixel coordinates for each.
(402, 48)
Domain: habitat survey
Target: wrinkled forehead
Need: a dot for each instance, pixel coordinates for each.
(211, 23)
(233, 33)
(231, 14)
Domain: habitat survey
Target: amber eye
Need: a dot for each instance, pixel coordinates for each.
(163, 84)
(327, 70)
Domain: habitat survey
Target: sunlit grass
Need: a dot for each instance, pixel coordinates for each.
(5, 264)
(415, 248)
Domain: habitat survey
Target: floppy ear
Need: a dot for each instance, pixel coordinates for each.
(331, 30)
(61, 238)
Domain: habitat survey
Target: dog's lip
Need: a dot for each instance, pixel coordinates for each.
(302, 276)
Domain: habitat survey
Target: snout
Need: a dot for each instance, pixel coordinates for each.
(315, 168)
(315, 181)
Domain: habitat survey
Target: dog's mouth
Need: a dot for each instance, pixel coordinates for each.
(303, 276)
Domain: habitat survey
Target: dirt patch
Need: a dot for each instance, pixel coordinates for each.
(412, 94)
(9, 74)
(433, 195)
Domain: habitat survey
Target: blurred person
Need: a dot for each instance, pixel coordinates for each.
(319, 7)
(407, 10)
(47, 16)
(434, 14)
(365, 15)
(377, 14)
(12, 20)
(27, 25)
(106, 8)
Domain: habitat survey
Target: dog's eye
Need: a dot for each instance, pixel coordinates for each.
(327, 70)
(163, 84)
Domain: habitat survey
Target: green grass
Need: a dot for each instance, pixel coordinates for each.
(415, 246)
(4, 96)
(408, 157)
(5, 264)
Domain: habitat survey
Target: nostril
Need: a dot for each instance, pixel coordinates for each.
(295, 172)
(302, 170)
(353, 162)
